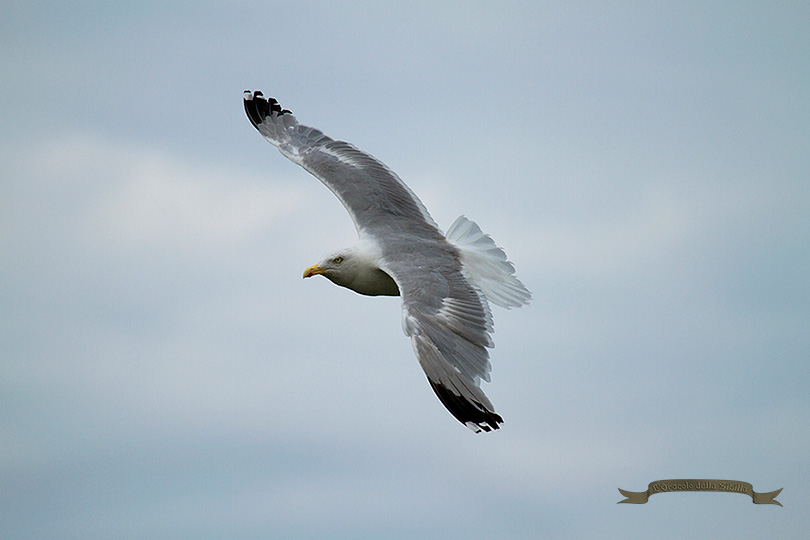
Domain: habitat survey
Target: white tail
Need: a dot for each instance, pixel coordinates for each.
(486, 265)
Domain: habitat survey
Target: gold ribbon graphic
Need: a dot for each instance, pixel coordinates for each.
(724, 486)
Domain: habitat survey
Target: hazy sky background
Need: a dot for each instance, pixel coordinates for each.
(166, 373)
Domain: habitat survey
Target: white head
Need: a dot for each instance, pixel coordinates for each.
(339, 267)
(355, 270)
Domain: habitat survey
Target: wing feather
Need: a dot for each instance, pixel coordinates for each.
(449, 323)
(370, 191)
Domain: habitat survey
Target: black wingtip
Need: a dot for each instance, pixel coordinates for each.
(469, 414)
(258, 108)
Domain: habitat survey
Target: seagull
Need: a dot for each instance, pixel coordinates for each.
(446, 281)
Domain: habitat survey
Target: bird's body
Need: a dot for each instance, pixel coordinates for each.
(445, 281)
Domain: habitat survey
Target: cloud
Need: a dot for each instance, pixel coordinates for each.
(146, 196)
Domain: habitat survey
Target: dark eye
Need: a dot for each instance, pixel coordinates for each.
(337, 260)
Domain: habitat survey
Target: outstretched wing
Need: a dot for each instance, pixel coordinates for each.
(370, 191)
(449, 323)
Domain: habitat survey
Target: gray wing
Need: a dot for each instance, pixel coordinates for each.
(449, 323)
(371, 192)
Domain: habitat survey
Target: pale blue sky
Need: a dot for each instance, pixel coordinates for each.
(166, 373)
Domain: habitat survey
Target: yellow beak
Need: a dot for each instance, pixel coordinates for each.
(313, 271)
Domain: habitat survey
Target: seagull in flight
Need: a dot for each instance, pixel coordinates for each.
(446, 281)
